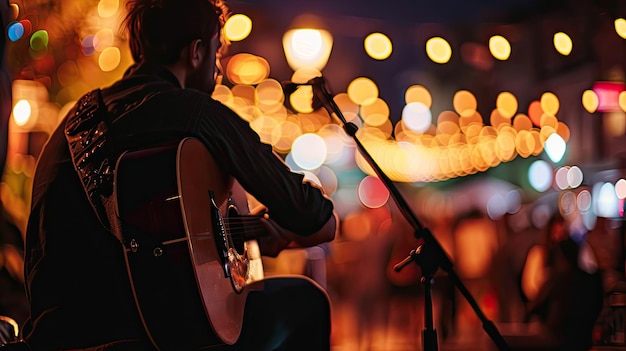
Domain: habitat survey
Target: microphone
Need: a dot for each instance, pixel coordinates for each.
(318, 92)
(289, 87)
(321, 98)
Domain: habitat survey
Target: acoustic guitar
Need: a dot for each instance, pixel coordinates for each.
(189, 245)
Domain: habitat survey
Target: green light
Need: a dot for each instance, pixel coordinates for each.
(39, 40)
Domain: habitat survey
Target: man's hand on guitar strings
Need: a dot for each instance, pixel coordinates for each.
(277, 240)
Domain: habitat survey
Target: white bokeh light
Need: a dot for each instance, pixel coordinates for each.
(309, 151)
(310, 176)
(574, 177)
(540, 175)
(496, 206)
(555, 147)
(606, 203)
(620, 188)
(22, 112)
(417, 117)
(560, 178)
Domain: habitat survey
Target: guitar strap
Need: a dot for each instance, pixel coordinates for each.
(95, 149)
(90, 139)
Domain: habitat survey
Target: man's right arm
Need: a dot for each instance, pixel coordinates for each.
(296, 204)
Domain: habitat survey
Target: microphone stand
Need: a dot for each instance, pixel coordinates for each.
(429, 255)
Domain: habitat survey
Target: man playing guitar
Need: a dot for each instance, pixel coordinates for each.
(130, 241)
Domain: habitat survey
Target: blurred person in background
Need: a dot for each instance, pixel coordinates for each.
(569, 299)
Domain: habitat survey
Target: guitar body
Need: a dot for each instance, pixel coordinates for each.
(189, 279)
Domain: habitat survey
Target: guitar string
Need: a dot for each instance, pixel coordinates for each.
(237, 227)
(237, 231)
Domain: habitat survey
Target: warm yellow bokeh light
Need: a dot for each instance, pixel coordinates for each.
(418, 93)
(505, 145)
(302, 99)
(305, 47)
(590, 101)
(464, 103)
(438, 50)
(448, 123)
(103, 39)
(109, 59)
(108, 8)
(15, 11)
(507, 105)
(620, 27)
(304, 74)
(244, 93)
(550, 103)
(535, 111)
(223, 94)
(614, 123)
(269, 96)
(363, 91)
(499, 47)
(534, 273)
(548, 120)
(622, 100)
(563, 131)
(21, 112)
(346, 105)
(246, 68)
(475, 244)
(264, 127)
(237, 27)
(522, 122)
(498, 120)
(378, 46)
(376, 113)
(538, 144)
(563, 43)
(312, 122)
(471, 122)
(284, 134)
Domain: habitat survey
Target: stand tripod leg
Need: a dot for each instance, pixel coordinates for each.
(429, 267)
(429, 335)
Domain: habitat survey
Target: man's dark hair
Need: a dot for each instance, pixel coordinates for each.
(158, 30)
